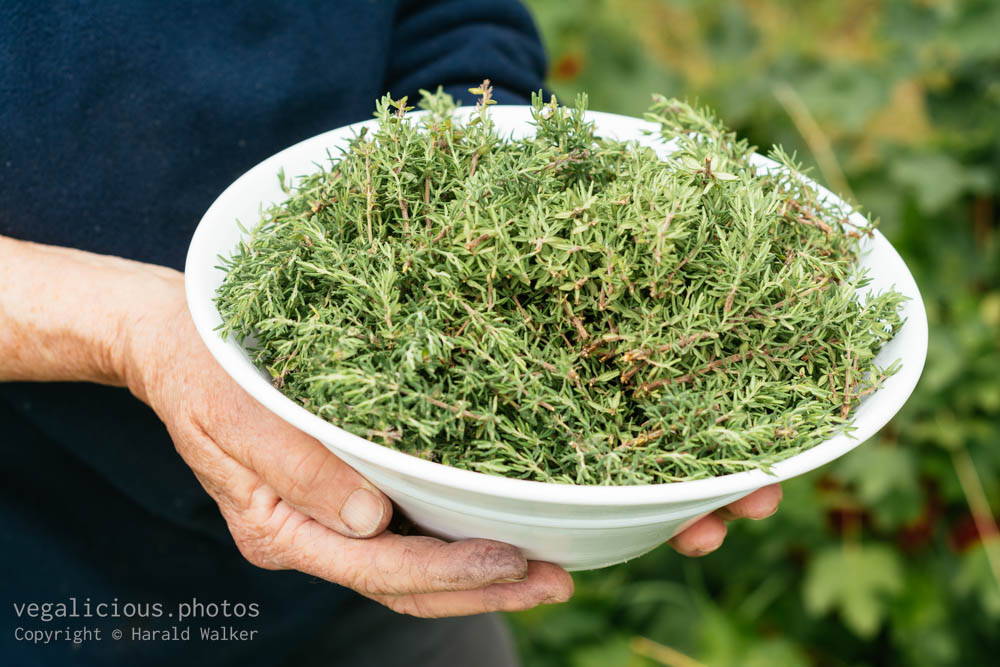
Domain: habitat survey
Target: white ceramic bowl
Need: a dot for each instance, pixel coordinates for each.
(578, 527)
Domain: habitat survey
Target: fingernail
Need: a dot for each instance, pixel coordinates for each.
(769, 514)
(510, 580)
(362, 512)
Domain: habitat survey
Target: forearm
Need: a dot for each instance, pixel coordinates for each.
(66, 315)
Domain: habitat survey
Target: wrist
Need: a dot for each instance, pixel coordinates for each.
(145, 331)
(69, 315)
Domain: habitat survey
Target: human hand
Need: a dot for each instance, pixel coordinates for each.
(292, 504)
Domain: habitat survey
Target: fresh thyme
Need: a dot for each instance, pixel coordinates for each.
(563, 308)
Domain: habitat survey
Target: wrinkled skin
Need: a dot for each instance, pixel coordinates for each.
(288, 501)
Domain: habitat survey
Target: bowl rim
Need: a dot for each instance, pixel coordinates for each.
(202, 259)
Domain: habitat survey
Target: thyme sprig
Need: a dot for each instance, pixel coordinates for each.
(563, 308)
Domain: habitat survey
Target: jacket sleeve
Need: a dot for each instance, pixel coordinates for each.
(458, 43)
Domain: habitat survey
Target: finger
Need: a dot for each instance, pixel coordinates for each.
(760, 504)
(545, 584)
(703, 537)
(300, 469)
(391, 564)
(228, 482)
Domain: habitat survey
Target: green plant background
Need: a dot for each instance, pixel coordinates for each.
(880, 557)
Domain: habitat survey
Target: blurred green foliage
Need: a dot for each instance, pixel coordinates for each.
(877, 558)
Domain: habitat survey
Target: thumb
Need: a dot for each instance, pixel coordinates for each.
(308, 476)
